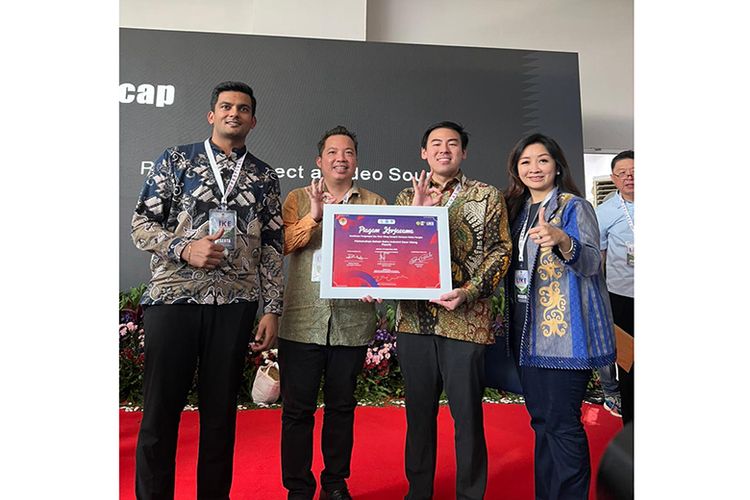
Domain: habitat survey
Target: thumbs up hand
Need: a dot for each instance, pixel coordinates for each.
(204, 252)
(546, 235)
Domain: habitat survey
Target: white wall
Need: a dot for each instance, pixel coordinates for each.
(600, 31)
(337, 19)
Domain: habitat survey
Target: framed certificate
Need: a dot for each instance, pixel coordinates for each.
(385, 251)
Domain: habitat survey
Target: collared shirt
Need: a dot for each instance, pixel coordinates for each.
(308, 318)
(615, 234)
(480, 255)
(172, 210)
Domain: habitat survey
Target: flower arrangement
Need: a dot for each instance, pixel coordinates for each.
(379, 352)
(381, 380)
(131, 336)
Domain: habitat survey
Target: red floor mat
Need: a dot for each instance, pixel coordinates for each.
(377, 462)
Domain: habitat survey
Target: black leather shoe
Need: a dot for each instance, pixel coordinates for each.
(339, 494)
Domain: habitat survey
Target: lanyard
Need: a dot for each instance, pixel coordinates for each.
(217, 174)
(456, 190)
(524, 235)
(627, 214)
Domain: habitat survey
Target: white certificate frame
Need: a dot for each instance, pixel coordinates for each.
(328, 291)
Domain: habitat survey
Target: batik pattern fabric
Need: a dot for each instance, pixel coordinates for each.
(568, 319)
(480, 256)
(173, 210)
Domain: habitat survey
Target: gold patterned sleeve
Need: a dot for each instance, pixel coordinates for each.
(297, 231)
(497, 249)
(405, 197)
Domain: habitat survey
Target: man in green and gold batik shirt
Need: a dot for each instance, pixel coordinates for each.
(441, 342)
(320, 338)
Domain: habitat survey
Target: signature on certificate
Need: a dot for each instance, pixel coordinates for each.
(421, 259)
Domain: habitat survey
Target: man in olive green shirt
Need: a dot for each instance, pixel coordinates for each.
(320, 338)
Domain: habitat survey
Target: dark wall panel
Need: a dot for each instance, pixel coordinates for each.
(387, 93)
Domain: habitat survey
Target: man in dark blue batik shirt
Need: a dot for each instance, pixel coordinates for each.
(210, 214)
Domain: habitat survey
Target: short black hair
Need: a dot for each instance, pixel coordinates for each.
(624, 155)
(230, 86)
(451, 125)
(337, 130)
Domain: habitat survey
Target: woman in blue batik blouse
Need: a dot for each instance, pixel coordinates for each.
(558, 310)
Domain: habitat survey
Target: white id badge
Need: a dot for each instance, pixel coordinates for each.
(521, 280)
(317, 260)
(631, 253)
(226, 219)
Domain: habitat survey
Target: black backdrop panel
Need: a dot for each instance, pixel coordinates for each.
(387, 93)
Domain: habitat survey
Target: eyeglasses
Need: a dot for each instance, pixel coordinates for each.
(623, 175)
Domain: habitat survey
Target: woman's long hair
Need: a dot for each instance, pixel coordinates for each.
(517, 192)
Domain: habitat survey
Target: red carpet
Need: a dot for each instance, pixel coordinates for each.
(377, 463)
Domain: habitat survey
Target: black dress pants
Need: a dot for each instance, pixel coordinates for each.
(623, 314)
(429, 364)
(178, 339)
(301, 367)
(562, 466)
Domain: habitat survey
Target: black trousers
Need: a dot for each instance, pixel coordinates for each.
(623, 315)
(178, 339)
(429, 364)
(562, 467)
(301, 367)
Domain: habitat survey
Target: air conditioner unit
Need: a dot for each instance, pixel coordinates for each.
(603, 189)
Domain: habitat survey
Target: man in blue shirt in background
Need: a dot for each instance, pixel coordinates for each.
(616, 227)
